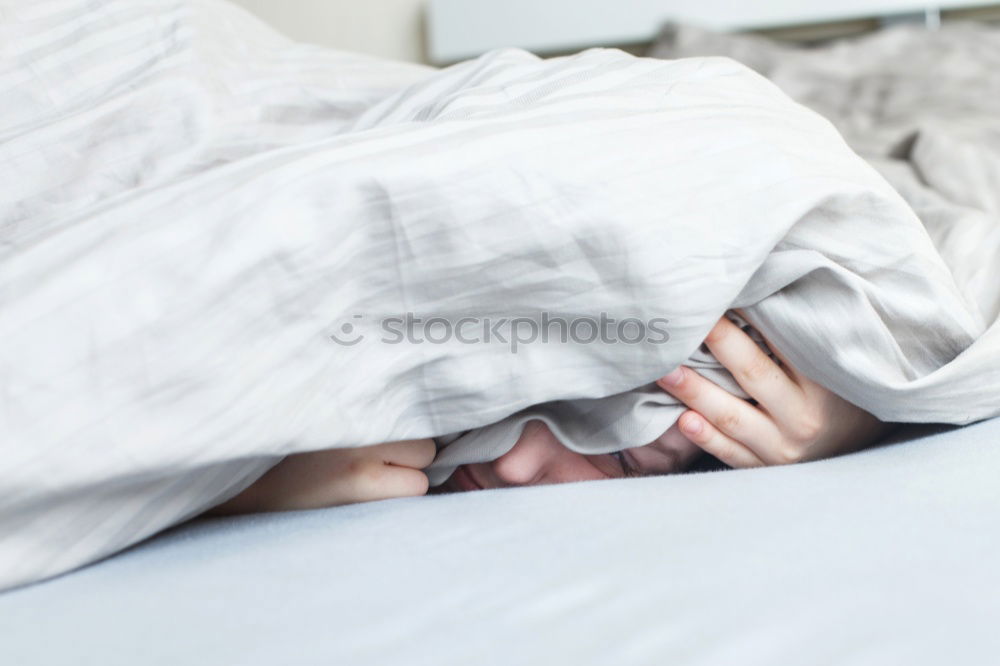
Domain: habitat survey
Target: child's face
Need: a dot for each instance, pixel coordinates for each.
(539, 458)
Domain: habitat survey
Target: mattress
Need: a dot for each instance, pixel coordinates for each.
(887, 556)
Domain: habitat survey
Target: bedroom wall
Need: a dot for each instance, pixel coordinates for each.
(387, 28)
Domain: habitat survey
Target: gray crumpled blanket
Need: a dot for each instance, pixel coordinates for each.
(205, 227)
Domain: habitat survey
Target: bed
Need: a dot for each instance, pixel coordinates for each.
(457, 29)
(887, 556)
(883, 556)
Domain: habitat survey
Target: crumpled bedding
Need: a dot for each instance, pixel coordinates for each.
(196, 209)
(921, 106)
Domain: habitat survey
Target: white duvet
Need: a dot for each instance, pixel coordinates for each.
(194, 207)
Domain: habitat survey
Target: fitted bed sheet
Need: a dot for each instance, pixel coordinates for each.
(887, 556)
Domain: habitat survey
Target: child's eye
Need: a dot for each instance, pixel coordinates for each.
(623, 462)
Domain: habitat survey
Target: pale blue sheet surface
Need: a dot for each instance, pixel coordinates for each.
(885, 557)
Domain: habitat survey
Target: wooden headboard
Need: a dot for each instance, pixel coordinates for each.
(460, 29)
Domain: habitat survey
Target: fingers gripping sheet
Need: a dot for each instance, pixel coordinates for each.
(197, 211)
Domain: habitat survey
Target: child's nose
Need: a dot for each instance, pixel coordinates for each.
(530, 459)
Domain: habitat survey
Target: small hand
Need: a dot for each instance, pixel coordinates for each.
(337, 476)
(795, 418)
